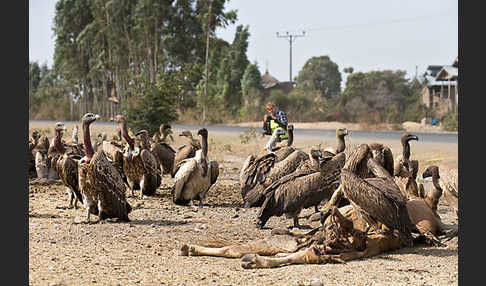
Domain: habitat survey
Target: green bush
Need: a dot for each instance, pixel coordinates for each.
(450, 122)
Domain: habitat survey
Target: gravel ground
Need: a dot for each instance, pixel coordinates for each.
(145, 251)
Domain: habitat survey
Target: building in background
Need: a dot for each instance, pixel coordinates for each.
(439, 92)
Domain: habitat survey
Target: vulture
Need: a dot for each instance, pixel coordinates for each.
(261, 169)
(66, 166)
(100, 183)
(376, 199)
(165, 131)
(186, 151)
(195, 175)
(146, 145)
(99, 140)
(432, 197)
(311, 183)
(139, 165)
(31, 158)
(43, 158)
(163, 152)
(283, 150)
(405, 170)
(341, 144)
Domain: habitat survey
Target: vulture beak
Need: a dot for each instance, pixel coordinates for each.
(180, 134)
(97, 116)
(138, 133)
(413, 137)
(112, 119)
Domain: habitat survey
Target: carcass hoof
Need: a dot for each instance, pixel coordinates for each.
(187, 250)
(248, 261)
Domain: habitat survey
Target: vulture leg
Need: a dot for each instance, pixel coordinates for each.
(71, 198)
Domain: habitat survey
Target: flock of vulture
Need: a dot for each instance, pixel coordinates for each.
(280, 179)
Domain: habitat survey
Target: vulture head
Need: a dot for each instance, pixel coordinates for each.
(274, 138)
(407, 137)
(59, 127)
(341, 132)
(186, 133)
(35, 135)
(203, 132)
(430, 172)
(89, 118)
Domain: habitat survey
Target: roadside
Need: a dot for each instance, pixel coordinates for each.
(406, 126)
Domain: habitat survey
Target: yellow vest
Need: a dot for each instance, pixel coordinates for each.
(274, 125)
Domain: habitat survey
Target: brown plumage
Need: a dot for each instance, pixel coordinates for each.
(139, 165)
(313, 182)
(31, 155)
(186, 151)
(432, 197)
(261, 169)
(66, 166)
(43, 157)
(99, 182)
(151, 159)
(264, 172)
(405, 170)
(164, 154)
(195, 175)
(377, 199)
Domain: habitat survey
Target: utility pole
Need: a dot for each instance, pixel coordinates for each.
(206, 65)
(290, 37)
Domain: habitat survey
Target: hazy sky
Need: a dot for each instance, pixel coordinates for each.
(365, 35)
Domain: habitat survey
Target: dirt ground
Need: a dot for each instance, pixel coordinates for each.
(146, 250)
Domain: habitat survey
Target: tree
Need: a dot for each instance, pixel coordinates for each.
(383, 94)
(153, 104)
(251, 88)
(320, 74)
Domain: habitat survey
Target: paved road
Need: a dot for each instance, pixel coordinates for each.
(361, 135)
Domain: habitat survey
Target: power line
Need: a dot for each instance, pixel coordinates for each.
(391, 21)
(290, 37)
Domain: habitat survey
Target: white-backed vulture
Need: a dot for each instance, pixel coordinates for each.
(341, 144)
(282, 150)
(405, 170)
(195, 175)
(139, 165)
(163, 152)
(185, 151)
(66, 167)
(378, 199)
(151, 159)
(261, 169)
(31, 155)
(100, 183)
(311, 183)
(43, 157)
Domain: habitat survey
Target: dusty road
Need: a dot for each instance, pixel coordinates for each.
(145, 251)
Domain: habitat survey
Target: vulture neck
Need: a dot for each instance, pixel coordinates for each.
(432, 197)
(124, 134)
(272, 141)
(406, 150)
(88, 148)
(58, 143)
(341, 146)
(204, 146)
(290, 139)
